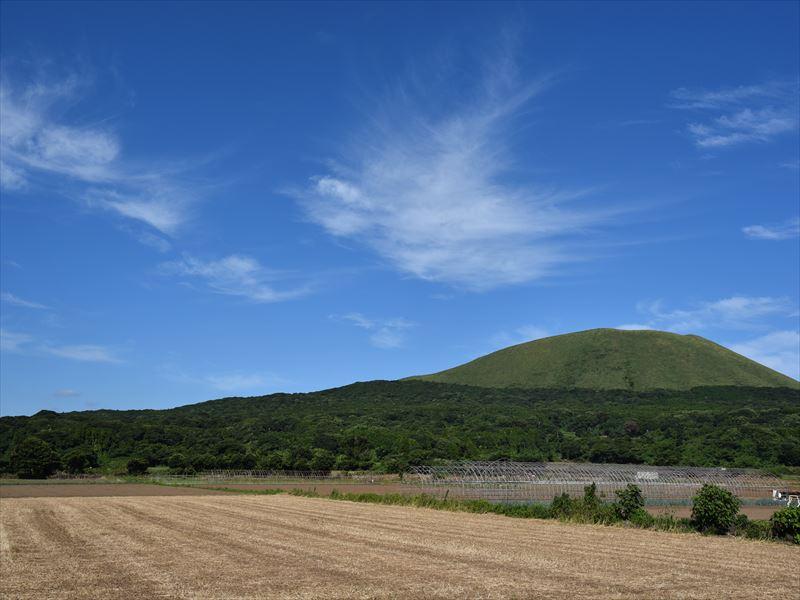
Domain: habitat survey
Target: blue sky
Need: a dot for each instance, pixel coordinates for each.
(205, 200)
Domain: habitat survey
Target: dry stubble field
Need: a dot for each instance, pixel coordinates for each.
(230, 546)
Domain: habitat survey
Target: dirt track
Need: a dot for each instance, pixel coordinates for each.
(285, 546)
(89, 490)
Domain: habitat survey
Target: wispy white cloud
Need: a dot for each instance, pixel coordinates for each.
(770, 91)
(434, 189)
(83, 353)
(634, 327)
(792, 165)
(783, 231)
(230, 382)
(779, 350)
(66, 393)
(239, 275)
(24, 343)
(755, 113)
(12, 263)
(384, 333)
(735, 312)
(11, 179)
(40, 144)
(10, 298)
(148, 238)
(13, 341)
(225, 381)
(637, 122)
(746, 125)
(519, 335)
(162, 206)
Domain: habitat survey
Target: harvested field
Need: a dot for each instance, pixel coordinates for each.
(283, 546)
(84, 490)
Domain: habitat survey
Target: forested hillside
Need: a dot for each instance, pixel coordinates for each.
(387, 425)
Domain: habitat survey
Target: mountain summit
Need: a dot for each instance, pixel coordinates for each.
(614, 359)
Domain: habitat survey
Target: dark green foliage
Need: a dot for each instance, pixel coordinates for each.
(759, 530)
(138, 466)
(321, 460)
(390, 425)
(563, 507)
(590, 498)
(79, 460)
(714, 510)
(641, 518)
(755, 530)
(33, 458)
(785, 524)
(613, 359)
(177, 462)
(629, 500)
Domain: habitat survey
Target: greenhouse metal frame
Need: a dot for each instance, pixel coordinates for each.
(509, 481)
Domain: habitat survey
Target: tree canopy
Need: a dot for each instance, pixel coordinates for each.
(388, 425)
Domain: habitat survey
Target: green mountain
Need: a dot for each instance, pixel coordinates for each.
(388, 425)
(600, 395)
(614, 359)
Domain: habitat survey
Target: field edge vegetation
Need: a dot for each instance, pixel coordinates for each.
(714, 510)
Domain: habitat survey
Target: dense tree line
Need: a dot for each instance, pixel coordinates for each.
(389, 425)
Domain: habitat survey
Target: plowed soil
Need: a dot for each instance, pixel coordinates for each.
(283, 546)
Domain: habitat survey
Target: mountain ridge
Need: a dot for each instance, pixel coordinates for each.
(613, 359)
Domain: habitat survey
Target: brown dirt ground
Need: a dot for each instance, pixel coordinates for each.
(288, 547)
(325, 489)
(87, 490)
(753, 512)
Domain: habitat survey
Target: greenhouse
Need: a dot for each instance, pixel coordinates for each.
(508, 481)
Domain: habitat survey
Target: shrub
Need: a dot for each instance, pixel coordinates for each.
(33, 458)
(590, 499)
(641, 518)
(603, 514)
(138, 466)
(785, 524)
(740, 524)
(322, 460)
(757, 530)
(714, 510)
(629, 501)
(78, 460)
(563, 506)
(177, 462)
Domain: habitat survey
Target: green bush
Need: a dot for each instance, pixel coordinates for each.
(590, 499)
(740, 524)
(714, 510)
(138, 466)
(603, 514)
(641, 518)
(79, 460)
(562, 506)
(757, 530)
(785, 524)
(629, 500)
(33, 458)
